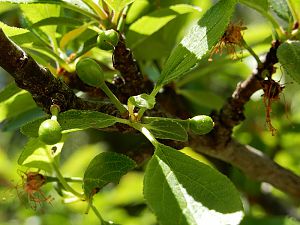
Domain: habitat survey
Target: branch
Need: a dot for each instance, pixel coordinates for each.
(132, 82)
(219, 143)
(253, 163)
(43, 86)
(232, 112)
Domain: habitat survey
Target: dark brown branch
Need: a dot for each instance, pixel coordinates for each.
(132, 82)
(43, 86)
(232, 113)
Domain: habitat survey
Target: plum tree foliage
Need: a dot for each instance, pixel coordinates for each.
(168, 87)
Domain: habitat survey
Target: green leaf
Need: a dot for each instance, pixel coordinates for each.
(76, 5)
(259, 5)
(148, 119)
(37, 12)
(142, 101)
(15, 123)
(73, 120)
(281, 8)
(35, 154)
(10, 90)
(167, 129)
(105, 168)
(73, 34)
(31, 44)
(15, 105)
(118, 5)
(19, 35)
(295, 7)
(151, 23)
(288, 55)
(198, 41)
(6, 7)
(181, 190)
(62, 21)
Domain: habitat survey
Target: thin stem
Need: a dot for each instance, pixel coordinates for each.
(149, 136)
(61, 178)
(113, 98)
(250, 50)
(64, 182)
(140, 127)
(103, 222)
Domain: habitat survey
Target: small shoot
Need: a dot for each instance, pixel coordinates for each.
(142, 101)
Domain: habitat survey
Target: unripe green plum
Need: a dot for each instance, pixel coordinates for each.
(50, 132)
(201, 124)
(90, 72)
(108, 39)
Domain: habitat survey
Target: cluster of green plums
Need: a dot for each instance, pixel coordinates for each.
(89, 71)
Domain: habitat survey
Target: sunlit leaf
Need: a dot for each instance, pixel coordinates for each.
(149, 24)
(73, 34)
(37, 12)
(118, 5)
(15, 105)
(36, 154)
(198, 41)
(77, 5)
(182, 190)
(19, 35)
(295, 6)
